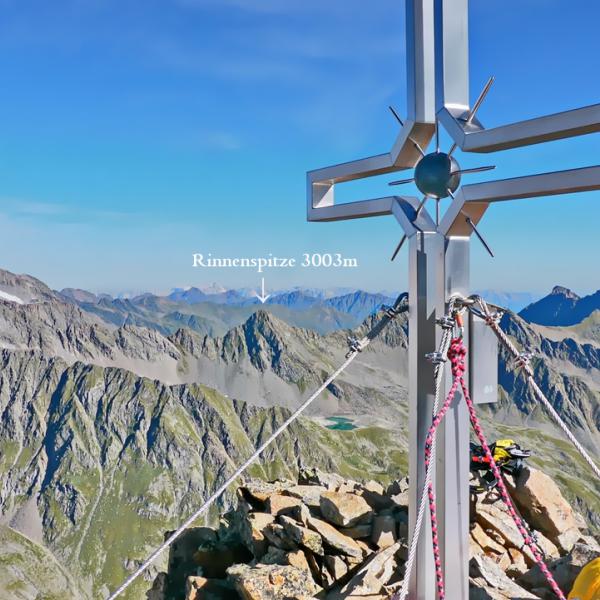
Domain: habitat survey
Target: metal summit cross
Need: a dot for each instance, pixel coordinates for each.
(438, 92)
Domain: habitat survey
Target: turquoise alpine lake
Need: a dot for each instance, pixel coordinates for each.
(341, 423)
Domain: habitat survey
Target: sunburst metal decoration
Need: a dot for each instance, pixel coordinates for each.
(438, 174)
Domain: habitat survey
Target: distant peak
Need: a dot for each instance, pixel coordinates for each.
(263, 321)
(260, 316)
(559, 290)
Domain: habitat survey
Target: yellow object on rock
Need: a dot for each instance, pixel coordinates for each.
(587, 584)
(502, 450)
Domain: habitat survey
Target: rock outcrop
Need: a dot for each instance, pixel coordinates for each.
(330, 538)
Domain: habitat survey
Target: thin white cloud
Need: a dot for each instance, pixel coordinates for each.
(60, 213)
(32, 208)
(221, 140)
(322, 8)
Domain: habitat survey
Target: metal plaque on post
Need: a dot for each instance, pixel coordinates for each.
(483, 361)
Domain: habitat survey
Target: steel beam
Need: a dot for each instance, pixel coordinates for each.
(377, 207)
(473, 200)
(453, 462)
(452, 55)
(438, 268)
(474, 138)
(416, 131)
(420, 61)
(426, 251)
(321, 183)
(405, 210)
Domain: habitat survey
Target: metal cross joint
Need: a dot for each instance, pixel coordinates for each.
(436, 358)
(438, 95)
(446, 322)
(355, 345)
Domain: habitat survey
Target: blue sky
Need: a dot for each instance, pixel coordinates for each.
(136, 132)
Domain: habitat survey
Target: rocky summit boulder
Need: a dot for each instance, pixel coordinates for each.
(370, 578)
(340, 543)
(200, 588)
(564, 569)
(302, 536)
(329, 538)
(345, 509)
(540, 501)
(484, 569)
(272, 582)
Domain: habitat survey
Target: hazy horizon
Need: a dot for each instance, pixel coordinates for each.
(125, 292)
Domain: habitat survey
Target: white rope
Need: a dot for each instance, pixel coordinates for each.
(524, 363)
(416, 533)
(221, 490)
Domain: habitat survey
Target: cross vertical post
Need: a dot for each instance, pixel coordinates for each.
(453, 463)
(452, 474)
(438, 268)
(426, 251)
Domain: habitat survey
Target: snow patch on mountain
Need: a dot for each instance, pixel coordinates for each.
(10, 298)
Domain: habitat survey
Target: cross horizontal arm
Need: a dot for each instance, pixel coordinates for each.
(321, 182)
(355, 169)
(376, 207)
(472, 137)
(584, 179)
(473, 200)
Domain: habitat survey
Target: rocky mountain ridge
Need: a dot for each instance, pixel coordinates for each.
(266, 361)
(322, 536)
(263, 361)
(95, 462)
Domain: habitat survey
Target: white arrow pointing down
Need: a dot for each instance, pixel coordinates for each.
(262, 296)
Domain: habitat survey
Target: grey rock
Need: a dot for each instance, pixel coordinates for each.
(279, 537)
(345, 509)
(371, 577)
(303, 536)
(485, 568)
(336, 540)
(309, 494)
(272, 582)
(384, 531)
(542, 504)
(564, 569)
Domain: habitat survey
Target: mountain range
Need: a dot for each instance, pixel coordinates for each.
(322, 310)
(118, 417)
(216, 313)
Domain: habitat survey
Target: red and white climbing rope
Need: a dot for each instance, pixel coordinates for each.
(457, 357)
(447, 327)
(523, 361)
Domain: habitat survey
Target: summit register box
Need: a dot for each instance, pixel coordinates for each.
(483, 364)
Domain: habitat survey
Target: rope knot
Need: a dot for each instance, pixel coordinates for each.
(457, 354)
(523, 360)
